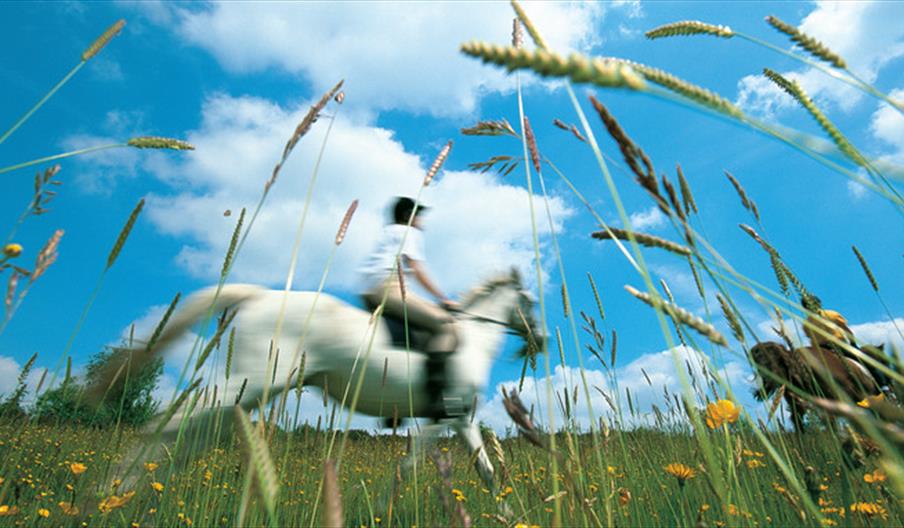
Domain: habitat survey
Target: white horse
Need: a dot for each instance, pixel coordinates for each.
(342, 340)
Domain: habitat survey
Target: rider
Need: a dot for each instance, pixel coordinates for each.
(382, 278)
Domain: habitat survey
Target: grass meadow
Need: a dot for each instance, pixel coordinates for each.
(702, 460)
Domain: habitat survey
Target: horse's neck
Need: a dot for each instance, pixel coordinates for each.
(488, 334)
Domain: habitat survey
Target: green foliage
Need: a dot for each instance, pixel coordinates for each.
(132, 404)
(11, 408)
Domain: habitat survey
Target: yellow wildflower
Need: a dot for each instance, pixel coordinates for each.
(723, 411)
(875, 477)
(869, 509)
(12, 250)
(459, 496)
(8, 510)
(869, 401)
(829, 522)
(158, 487)
(68, 508)
(150, 466)
(115, 501)
(680, 472)
(44, 512)
(755, 463)
(77, 468)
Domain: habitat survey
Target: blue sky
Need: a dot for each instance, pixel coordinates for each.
(234, 79)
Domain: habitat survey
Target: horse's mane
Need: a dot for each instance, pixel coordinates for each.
(485, 288)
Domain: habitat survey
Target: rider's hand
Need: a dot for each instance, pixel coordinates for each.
(450, 305)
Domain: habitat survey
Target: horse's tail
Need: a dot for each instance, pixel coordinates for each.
(201, 304)
(129, 361)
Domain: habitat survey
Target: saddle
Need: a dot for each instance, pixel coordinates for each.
(417, 338)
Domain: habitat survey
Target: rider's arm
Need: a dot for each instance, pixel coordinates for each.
(420, 273)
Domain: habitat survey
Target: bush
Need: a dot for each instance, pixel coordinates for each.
(132, 404)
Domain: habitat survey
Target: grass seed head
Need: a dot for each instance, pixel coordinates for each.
(155, 142)
(815, 47)
(689, 27)
(643, 239)
(346, 220)
(103, 40)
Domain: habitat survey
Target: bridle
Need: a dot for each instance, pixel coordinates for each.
(490, 320)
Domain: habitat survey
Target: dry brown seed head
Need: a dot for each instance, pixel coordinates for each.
(343, 228)
(517, 34)
(437, 163)
(47, 255)
(532, 144)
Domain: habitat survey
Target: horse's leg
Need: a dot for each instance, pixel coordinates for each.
(470, 435)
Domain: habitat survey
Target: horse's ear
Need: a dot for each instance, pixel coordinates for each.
(516, 275)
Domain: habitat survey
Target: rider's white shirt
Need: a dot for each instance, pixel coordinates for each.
(380, 263)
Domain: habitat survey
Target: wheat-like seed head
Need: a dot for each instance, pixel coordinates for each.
(732, 318)
(124, 234)
(47, 255)
(238, 397)
(686, 196)
(866, 269)
(233, 242)
(343, 228)
(490, 128)
(697, 282)
(691, 91)
(532, 144)
(643, 239)
(261, 462)
(437, 163)
(815, 47)
(155, 142)
(689, 27)
(680, 314)
(579, 68)
(517, 33)
(215, 340)
(742, 194)
(162, 324)
(797, 92)
(565, 301)
(531, 29)
(102, 40)
(11, 287)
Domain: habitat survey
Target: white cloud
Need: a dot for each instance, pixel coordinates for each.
(101, 170)
(659, 367)
(868, 333)
(887, 125)
(868, 35)
(857, 191)
(237, 145)
(878, 332)
(649, 219)
(10, 370)
(393, 55)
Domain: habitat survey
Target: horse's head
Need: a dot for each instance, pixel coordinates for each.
(511, 304)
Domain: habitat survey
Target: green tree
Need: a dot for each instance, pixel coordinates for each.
(11, 408)
(132, 403)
